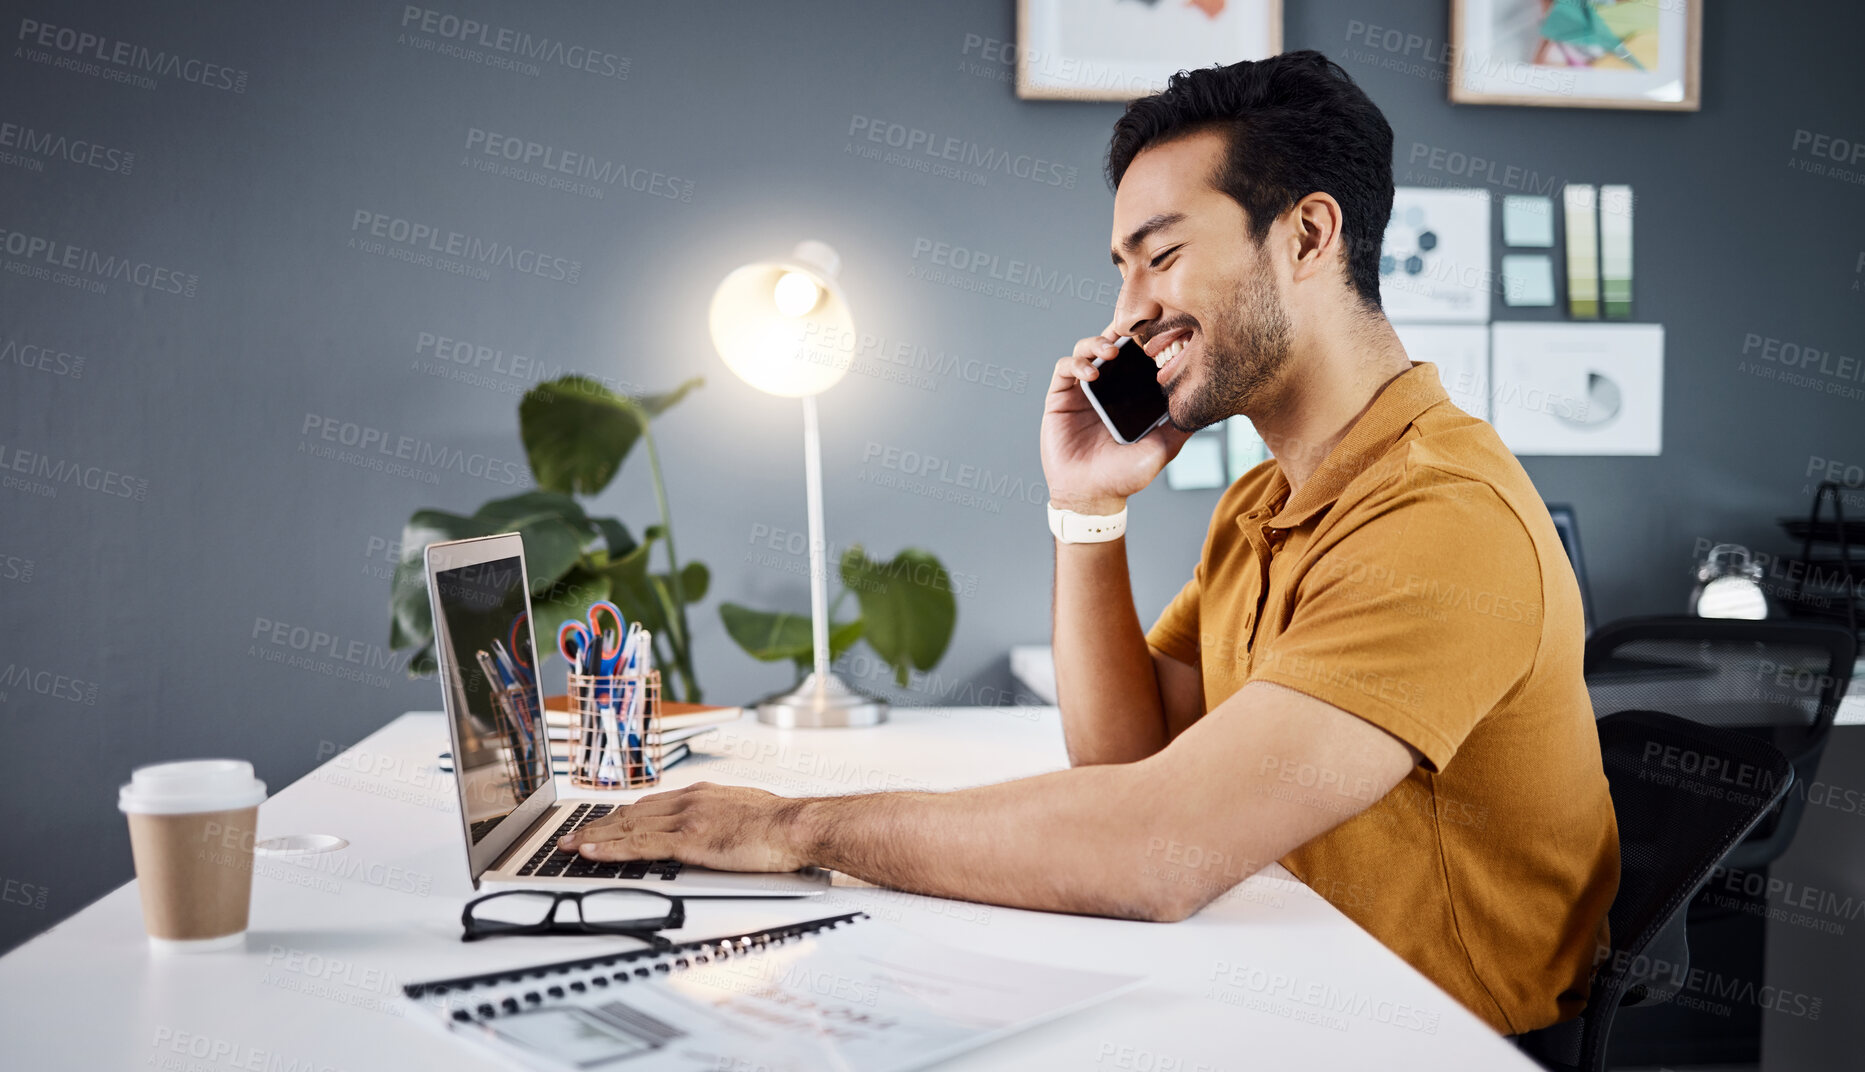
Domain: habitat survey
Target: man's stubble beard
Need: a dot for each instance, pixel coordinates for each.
(1246, 348)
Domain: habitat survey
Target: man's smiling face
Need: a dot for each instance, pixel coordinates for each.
(1202, 297)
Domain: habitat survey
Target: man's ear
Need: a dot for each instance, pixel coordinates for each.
(1315, 222)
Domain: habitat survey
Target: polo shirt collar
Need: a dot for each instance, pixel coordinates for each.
(1404, 398)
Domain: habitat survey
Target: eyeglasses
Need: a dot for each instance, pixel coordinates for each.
(631, 912)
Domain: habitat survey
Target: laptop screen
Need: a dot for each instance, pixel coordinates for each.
(487, 663)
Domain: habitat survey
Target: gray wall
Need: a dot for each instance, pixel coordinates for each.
(202, 510)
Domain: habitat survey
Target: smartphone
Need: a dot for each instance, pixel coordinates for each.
(1127, 396)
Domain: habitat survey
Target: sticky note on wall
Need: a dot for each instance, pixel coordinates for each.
(1582, 251)
(1528, 279)
(1615, 237)
(1527, 221)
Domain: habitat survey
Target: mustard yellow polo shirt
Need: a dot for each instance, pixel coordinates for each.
(1417, 582)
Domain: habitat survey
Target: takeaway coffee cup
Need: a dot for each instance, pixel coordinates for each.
(191, 832)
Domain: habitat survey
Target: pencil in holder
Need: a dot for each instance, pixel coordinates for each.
(617, 743)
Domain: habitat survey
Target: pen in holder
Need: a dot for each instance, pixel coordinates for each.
(521, 723)
(618, 730)
(523, 727)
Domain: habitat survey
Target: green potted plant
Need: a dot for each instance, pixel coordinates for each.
(908, 613)
(576, 434)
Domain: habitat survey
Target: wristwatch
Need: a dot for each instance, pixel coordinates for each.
(1071, 527)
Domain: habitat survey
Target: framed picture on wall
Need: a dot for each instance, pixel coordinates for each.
(1577, 53)
(1116, 50)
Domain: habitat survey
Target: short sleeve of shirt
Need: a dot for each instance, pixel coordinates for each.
(1420, 619)
(1176, 632)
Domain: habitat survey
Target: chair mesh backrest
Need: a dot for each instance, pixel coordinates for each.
(1778, 680)
(1684, 795)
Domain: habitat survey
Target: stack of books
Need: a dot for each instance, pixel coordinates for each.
(679, 724)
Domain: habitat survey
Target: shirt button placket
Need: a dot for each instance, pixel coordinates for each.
(1259, 540)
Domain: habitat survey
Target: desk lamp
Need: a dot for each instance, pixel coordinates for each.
(766, 321)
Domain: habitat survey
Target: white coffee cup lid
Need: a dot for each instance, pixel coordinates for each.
(193, 785)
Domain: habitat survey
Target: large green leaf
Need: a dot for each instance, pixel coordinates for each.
(535, 504)
(633, 591)
(695, 579)
(552, 548)
(410, 619)
(432, 526)
(576, 433)
(567, 600)
(772, 635)
(615, 535)
(655, 405)
(908, 605)
(398, 638)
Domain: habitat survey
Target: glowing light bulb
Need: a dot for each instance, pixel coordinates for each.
(796, 293)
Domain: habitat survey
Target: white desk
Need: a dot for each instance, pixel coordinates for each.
(1270, 976)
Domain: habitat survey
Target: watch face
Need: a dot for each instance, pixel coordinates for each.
(1732, 597)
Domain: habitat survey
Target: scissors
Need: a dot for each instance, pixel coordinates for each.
(609, 657)
(597, 651)
(589, 647)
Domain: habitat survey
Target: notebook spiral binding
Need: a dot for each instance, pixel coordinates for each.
(550, 981)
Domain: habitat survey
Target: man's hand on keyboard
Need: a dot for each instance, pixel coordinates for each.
(727, 828)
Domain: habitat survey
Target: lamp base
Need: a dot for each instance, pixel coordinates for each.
(824, 701)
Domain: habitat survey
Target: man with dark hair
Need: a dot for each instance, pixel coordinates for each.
(1374, 674)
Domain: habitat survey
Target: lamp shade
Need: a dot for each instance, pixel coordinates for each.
(783, 326)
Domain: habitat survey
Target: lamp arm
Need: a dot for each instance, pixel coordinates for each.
(818, 549)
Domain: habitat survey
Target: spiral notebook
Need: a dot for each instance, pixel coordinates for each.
(840, 992)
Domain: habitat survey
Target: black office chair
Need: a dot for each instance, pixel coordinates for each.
(1677, 820)
(1777, 681)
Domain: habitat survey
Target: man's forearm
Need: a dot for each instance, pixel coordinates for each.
(1071, 841)
(1105, 682)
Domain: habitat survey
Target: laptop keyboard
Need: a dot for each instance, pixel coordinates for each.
(552, 862)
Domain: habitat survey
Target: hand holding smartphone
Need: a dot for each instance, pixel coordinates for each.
(1127, 394)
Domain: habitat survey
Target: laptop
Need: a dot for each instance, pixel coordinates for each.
(509, 811)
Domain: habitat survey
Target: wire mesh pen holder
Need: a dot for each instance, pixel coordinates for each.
(617, 743)
(522, 724)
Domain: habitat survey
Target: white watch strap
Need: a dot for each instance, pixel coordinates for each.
(1071, 527)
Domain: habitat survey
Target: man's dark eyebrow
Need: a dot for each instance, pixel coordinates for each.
(1140, 233)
